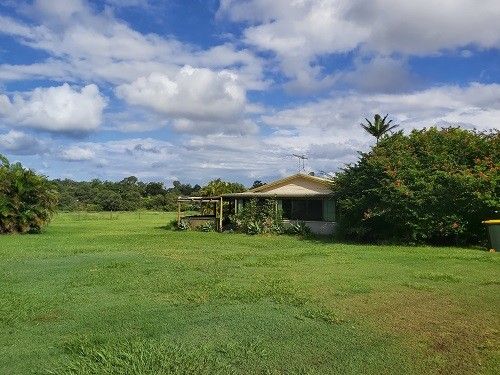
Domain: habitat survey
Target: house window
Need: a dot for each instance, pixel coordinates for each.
(329, 210)
(303, 209)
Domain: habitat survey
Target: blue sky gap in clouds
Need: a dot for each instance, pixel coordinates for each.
(195, 90)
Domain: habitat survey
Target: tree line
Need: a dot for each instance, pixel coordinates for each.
(130, 194)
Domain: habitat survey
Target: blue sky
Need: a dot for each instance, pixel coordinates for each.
(196, 90)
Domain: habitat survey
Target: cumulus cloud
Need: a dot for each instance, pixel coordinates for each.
(192, 95)
(300, 31)
(56, 109)
(77, 153)
(94, 45)
(336, 119)
(20, 143)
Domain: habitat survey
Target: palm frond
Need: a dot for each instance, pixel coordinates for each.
(392, 127)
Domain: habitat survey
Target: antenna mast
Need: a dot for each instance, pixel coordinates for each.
(301, 159)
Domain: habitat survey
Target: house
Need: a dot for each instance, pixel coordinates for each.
(300, 197)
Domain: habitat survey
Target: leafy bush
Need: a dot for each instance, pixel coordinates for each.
(207, 227)
(298, 228)
(258, 217)
(27, 200)
(183, 225)
(253, 227)
(431, 186)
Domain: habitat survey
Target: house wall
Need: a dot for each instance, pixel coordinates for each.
(328, 209)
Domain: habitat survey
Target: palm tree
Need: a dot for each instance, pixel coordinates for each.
(379, 127)
(27, 200)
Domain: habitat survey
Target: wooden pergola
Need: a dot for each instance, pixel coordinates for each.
(217, 207)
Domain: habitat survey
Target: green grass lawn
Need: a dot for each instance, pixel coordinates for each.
(96, 294)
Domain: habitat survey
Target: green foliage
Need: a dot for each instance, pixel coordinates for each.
(183, 225)
(379, 126)
(258, 217)
(27, 200)
(299, 228)
(431, 186)
(218, 187)
(130, 194)
(257, 183)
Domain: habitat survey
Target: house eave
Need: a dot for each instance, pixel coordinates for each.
(272, 195)
(320, 180)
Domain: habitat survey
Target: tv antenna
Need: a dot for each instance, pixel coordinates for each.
(301, 159)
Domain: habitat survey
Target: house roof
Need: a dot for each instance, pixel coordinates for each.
(299, 185)
(281, 181)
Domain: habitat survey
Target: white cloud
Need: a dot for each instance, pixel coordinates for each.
(208, 85)
(336, 119)
(57, 109)
(90, 45)
(53, 69)
(62, 10)
(10, 26)
(327, 130)
(77, 153)
(19, 143)
(192, 94)
(201, 127)
(300, 31)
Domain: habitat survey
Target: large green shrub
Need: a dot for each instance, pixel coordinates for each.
(431, 186)
(27, 200)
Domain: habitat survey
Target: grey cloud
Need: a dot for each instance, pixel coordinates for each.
(380, 74)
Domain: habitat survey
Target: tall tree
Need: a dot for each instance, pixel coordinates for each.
(379, 126)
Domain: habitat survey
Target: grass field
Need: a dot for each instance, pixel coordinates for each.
(101, 294)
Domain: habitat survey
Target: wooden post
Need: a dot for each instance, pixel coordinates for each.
(178, 212)
(220, 214)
